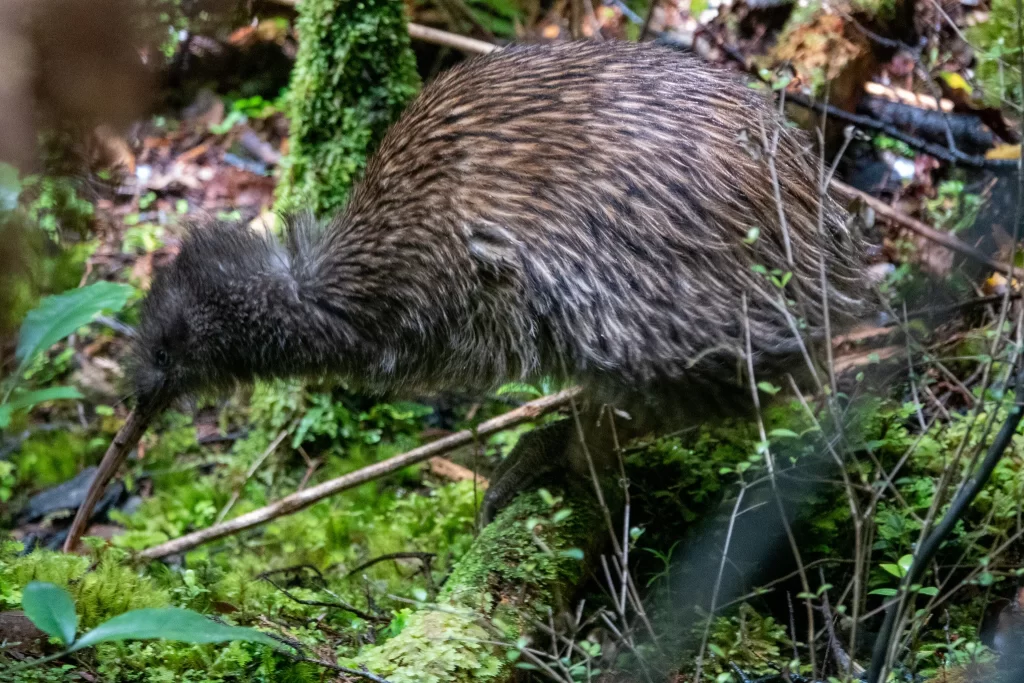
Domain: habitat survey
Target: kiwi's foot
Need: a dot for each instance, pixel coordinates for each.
(539, 452)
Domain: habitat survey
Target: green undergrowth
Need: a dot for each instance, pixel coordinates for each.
(514, 574)
(676, 482)
(684, 488)
(319, 547)
(998, 53)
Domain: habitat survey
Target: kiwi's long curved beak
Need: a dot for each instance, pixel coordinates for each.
(123, 443)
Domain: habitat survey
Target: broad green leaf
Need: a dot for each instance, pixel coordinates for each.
(887, 592)
(59, 315)
(27, 399)
(169, 623)
(894, 569)
(905, 562)
(51, 609)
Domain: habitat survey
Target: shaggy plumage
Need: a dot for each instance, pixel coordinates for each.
(580, 210)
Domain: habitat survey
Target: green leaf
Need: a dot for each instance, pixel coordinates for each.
(59, 315)
(51, 609)
(887, 592)
(546, 496)
(768, 388)
(517, 388)
(895, 570)
(27, 399)
(905, 562)
(572, 554)
(169, 623)
(784, 433)
(929, 590)
(561, 515)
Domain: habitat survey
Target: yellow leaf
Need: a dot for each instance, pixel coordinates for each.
(1003, 152)
(956, 81)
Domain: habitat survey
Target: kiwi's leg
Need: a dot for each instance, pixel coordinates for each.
(538, 452)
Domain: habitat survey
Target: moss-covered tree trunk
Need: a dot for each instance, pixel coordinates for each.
(521, 564)
(354, 73)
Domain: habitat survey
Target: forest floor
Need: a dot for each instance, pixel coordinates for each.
(346, 572)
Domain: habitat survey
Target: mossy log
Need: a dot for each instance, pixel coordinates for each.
(520, 565)
(354, 73)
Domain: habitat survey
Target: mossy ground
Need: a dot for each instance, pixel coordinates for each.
(493, 584)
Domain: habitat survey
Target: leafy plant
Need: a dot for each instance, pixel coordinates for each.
(55, 318)
(52, 610)
(953, 209)
(53, 203)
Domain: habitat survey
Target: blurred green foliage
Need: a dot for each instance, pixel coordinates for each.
(998, 53)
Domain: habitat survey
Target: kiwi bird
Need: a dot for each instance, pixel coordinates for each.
(603, 213)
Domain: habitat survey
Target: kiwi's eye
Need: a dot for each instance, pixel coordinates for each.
(162, 359)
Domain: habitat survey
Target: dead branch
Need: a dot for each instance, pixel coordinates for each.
(951, 156)
(443, 467)
(303, 499)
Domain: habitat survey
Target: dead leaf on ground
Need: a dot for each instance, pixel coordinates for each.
(442, 467)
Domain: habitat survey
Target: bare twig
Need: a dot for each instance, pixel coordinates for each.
(646, 28)
(448, 39)
(249, 474)
(337, 604)
(303, 499)
(425, 558)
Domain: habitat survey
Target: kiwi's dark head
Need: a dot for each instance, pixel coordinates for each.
(201, 322)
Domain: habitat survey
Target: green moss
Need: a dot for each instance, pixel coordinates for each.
(50, 458)
(436, 646)
(505, 556)
(520, 564)
(354, 73)
(106, 591)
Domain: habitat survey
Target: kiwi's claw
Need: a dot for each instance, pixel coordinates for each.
(538, 453)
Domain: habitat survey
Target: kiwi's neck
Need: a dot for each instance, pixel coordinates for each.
(291, 332)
